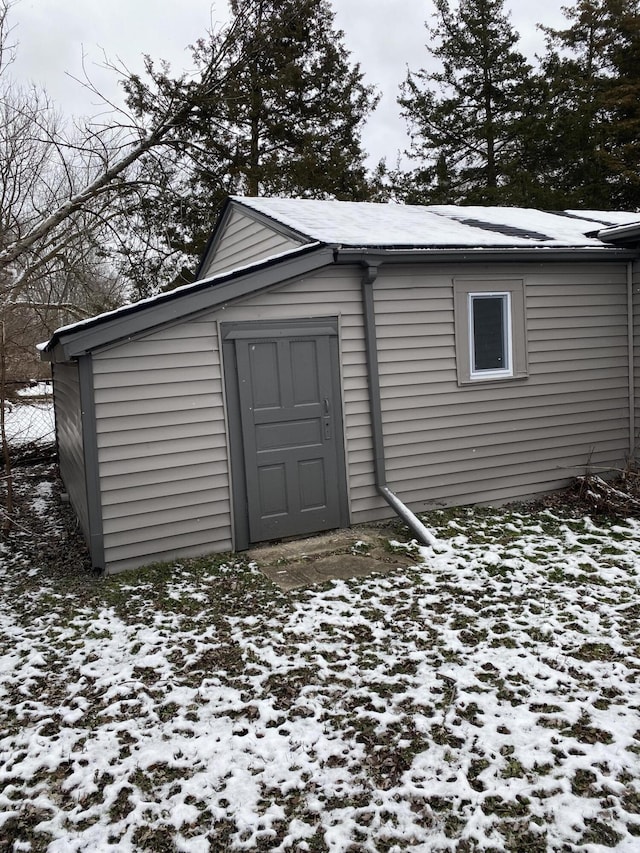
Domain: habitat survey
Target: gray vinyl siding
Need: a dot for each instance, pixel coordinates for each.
(447, 444)
(68, 413)
(244, 241)
(161, 426)
(162, 446)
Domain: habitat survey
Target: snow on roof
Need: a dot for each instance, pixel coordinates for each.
(607, 217)
(367, 224)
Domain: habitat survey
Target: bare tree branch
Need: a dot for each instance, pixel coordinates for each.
(113, 161)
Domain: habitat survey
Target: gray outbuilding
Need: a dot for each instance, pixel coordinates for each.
(336, 362)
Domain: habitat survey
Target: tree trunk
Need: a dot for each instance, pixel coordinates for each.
(256, 106)
(7, 522)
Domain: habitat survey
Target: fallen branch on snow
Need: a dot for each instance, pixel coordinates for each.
(607, 498)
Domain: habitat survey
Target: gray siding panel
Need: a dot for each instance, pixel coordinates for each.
(161, 446)
(161, 423)
(447, 444)
(244, 241)
(68, 413)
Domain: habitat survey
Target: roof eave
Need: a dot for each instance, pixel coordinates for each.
(206, 294)
(489, 254)
(143, 317)
(622, 234)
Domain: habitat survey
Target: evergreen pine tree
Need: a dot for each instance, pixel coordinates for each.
(287, 123)
(622, 101)
(593, 115)
(466, 118)
(299, 106)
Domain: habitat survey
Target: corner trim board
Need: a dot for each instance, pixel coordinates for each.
(237, 474)
(631, 354)
(91, 465)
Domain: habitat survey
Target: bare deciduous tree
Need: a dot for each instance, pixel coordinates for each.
(63, 190)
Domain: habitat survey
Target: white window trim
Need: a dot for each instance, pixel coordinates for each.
(497, 373)
(518, 368)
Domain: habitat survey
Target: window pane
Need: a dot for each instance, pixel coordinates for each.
(489, 333)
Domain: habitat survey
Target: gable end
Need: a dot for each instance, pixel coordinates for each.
(243, 235)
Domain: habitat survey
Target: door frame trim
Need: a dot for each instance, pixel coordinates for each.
(232, 331)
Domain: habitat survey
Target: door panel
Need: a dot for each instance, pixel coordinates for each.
(312, 478)
(265, 377)
(273, 490)
(279, 436)
(290, 415)
(304, 372)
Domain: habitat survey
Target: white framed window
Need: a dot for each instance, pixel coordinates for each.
(490, 340)
(490, 330)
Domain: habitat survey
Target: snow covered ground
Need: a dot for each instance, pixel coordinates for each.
(37, 389)
(29, 422)
(485, 699)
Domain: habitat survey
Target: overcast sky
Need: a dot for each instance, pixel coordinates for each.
(385, 36)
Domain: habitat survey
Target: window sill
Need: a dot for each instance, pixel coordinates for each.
(492, 380)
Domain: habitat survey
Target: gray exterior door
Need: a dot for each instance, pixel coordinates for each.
(288, 396)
